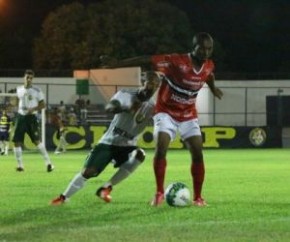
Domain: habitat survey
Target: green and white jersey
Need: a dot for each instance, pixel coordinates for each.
(28, 98)
(126, 126)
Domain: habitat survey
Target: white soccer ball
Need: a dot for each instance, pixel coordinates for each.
(177, 194)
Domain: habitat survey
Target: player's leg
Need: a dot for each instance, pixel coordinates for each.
(191, 134)
(61, 147)
(6, 146)
(33, 131)
(136, 157)
(1, 143)
(18, 138)
(6, 142)
(62, 142)
(57, 150)
(95, 163)
(164, 132)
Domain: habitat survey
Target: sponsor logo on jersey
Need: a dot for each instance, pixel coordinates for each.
(139, 118)
(183, 100)
(163, 64)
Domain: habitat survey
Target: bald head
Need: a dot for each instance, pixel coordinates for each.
(202, 46)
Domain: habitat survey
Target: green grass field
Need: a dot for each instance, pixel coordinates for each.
(248, 192)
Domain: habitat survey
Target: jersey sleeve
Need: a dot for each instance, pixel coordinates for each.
(210, 67)
(161, 63)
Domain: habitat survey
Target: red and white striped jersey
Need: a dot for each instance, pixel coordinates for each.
(181, 84)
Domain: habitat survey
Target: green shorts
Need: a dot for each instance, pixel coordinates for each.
(26, 124)
(103, 154)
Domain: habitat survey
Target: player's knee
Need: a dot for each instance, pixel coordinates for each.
(89, 173)
(140, 154)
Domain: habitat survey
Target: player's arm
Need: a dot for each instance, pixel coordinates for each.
(142, 61)
(114, 106)
(39, 107)
(215, 90)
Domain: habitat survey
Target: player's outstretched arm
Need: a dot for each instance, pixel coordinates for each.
(114, 106)
(110, 62)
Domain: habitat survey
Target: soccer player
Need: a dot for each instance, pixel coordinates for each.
(5, 123)
(30, 101)
(57, 122)
(183, 76)
(133, 111)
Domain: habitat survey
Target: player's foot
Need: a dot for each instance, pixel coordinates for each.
(158, 199)
(105, 193)
(2, 152)
(59, 200)
(199, 202)
(50, 168)
(57, 152)
(19, 169)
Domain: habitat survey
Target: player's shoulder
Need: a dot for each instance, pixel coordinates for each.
(124, 94)
(179, 57)
(20, 87)
(128, 91)
(209, 64)
(36, 88)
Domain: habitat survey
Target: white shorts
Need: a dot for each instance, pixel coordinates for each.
(163, 122)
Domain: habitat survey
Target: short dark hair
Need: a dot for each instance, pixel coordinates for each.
(197, 38)
(29, 72)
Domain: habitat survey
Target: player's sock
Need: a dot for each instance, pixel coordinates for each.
(197, 172)
(159, 171)
(124, 171)
(6, 148)
(75, 185)
(18, 156)
(44, 153)
(62, 143)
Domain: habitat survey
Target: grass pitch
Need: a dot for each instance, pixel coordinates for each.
(248, 192)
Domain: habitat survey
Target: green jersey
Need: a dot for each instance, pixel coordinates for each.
(126, 126)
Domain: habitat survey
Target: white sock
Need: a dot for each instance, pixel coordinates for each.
(2, 146)
(124, 171)
(75, 185)
(44, 153)
(6, 147)
(18, 156)
(62, 143)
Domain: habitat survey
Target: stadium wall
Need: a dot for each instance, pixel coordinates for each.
(243, 104)
(86, 136)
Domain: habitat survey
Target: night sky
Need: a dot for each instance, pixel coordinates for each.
(254, 34)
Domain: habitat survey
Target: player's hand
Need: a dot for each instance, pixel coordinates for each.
(218, 93)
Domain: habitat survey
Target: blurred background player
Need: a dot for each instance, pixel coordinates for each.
(5, 128)
(57, 122)
(30, 102)
(183, 76)
(133, 109)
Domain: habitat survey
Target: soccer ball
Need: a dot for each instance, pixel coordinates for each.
(177, 194)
